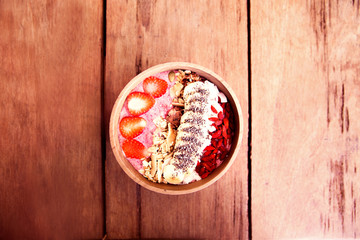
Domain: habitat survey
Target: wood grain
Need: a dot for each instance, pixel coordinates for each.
(305, 105)
(141, 34)
(50, 144)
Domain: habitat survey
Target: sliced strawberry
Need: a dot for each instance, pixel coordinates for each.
(131, 127)
(134, 149)
(156, 87)
(139, 103)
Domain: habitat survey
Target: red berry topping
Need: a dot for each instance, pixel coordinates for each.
(134, 149)
(131, 127)
(139, 103)
(214, 109)
(156, 87)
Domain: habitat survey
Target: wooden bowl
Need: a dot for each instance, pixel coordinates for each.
(168, 188)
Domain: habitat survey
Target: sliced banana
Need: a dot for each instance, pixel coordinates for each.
(173, 175)
(193, 133)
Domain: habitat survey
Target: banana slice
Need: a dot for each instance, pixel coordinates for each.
(173, 175)
(193, 133)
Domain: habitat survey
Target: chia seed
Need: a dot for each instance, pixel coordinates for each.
(195, 120)
(191, 140)
(195, 109)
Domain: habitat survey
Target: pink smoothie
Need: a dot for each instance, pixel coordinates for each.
(161, 108)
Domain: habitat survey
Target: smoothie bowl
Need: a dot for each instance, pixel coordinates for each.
(176, 128)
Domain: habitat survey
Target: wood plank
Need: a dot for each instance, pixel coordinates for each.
(305, 105)
(141, 34)
(50, 121)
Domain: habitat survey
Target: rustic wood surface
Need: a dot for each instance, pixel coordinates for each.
(305, 105)
(305, 121)
(50, 124)
(141, 34)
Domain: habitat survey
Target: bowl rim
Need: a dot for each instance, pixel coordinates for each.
(169, 188)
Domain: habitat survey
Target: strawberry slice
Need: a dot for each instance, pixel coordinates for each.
(139, 103)
(131, 127)
(134, 149)
(156, 87)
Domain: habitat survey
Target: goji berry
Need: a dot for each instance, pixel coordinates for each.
(219, 143)
(228, 107)
(221, 115)
(226, 123)
(218, 122)
(207, 158)
(216, 134)
(209, 148)
(205, 175)
(214, 119)
(224, 132)
(214, 109)
(207, 153)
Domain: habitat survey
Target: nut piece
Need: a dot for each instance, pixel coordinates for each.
(182, 73)
(178, 101)
(178, 104)
(174, 117)
(171, 76)
(159, 171)
(170, 139)
(163, 147)
(176, 89)
(154, 161)
(160, 123)
(161, 151)
(157, 140)
(153, 149)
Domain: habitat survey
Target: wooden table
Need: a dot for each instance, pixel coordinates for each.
(294, 65)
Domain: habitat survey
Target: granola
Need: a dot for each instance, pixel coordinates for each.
(189, 138)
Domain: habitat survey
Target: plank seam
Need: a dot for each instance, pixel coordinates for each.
(138, 205)
(249, 117)
(103, 135)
